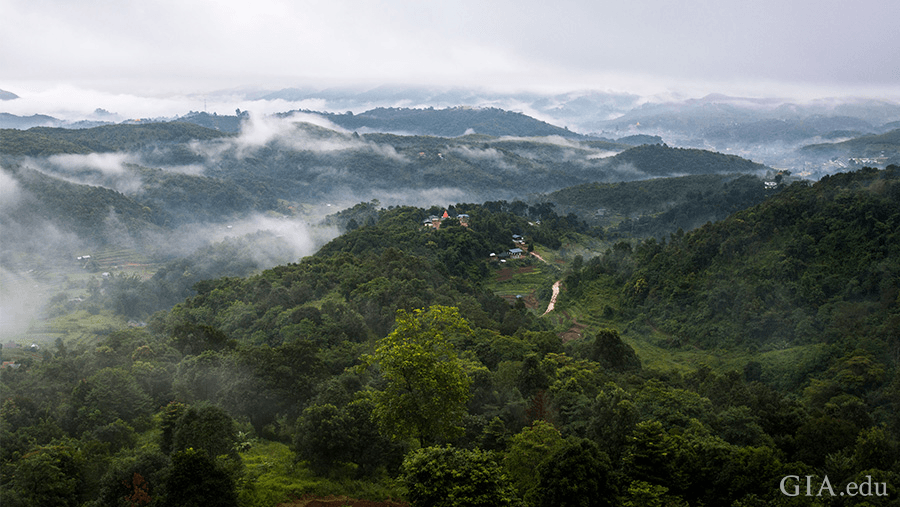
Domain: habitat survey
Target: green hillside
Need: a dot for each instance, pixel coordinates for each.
(657, 207)
(660, 160)
(450, 122)
(44, 141)
(402, 360)
(813, 263)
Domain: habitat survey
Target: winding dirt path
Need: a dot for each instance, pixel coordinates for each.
(553, 297)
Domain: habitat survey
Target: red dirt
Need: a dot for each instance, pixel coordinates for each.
(340, 501)
(574, 332)
(507, 273)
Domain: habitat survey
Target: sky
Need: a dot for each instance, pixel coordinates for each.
(59, 53)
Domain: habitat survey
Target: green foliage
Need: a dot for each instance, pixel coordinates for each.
(614, 354)
(197, 480)
(40, 141)
(447, 476)
(50, 475)
(527, 450)
(426, 386)
(206, 428)
(810, 264)
(578, 474)
(328, 436)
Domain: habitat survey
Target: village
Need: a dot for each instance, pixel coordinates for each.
(434, 222)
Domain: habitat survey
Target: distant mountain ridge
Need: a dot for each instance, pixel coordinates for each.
(885, 148)
(449, 122)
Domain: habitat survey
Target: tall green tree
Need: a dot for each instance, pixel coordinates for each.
(426, 385)
(448, 477)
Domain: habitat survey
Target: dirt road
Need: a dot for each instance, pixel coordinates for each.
(553, 297)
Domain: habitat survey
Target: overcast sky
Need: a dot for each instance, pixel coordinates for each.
(178, 47)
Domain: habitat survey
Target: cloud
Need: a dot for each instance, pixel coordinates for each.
(110, 170)
(9, 190)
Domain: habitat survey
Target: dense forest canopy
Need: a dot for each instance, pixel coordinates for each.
(612, 325)
(259, 388)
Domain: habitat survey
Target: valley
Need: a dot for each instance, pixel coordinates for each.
(298, 312)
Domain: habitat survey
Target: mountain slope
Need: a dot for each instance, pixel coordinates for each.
(813, 263)
(664, 204)
(451, 122)
(42, 141)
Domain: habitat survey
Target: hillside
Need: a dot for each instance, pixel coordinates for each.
(883, 148)
(449, 122)
(93, 213)
(659, 206)
(44, 141)
(292, 377)
(660, 160)
(811, 264)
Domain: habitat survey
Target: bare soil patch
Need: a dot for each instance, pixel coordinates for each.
(507, 274)
(575, 332)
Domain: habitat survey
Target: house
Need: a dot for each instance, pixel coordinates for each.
(435, 221)
(10, 364)
(515, 253)
(518, 239)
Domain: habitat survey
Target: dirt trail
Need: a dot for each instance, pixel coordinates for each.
(553, 297)
(539, 257)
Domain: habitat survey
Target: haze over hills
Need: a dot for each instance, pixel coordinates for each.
(176, 261)
(767, 130)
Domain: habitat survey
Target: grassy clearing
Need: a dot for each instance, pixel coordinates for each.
(522, 277)
(272, 476)
(599, 306)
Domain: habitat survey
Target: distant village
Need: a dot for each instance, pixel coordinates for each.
(434, 222)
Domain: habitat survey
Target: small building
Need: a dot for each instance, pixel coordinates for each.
(515, 253)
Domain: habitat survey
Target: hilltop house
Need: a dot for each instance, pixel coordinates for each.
(435, 221)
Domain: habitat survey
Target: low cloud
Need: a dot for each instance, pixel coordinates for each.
(9, 190)
(110, 170)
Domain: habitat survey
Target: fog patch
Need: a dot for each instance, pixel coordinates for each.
(602, 154)
(490, 155)
(110, 170)
(9, 190)
(301, 237)
(21, 300)
(628, 171)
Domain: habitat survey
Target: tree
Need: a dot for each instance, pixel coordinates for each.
(196, 480)
(426, 386)
(447, 477)
(328, 436)
(576, 475)
(206, 427)
(527, 450)
(50, 475)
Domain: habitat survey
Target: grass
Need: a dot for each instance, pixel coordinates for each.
(273, 476)
(521, 277)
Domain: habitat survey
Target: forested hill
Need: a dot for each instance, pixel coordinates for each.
(660, 160)
(450, 122)
(886, 146)
(663, 204)
(98, 213)
(384, 367)
(43, 141)
(812, 264)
